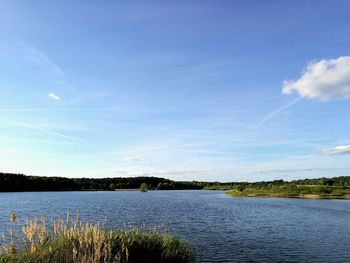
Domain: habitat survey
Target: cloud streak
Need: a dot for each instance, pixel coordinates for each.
(39, 128)
(276, 112)
(57, 109)
(293, 170)
(37, 58)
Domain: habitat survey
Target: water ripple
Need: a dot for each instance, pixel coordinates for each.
(221, 229)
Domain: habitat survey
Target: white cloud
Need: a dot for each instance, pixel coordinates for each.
(53, 96)
(341, 149)
(323, 80)
(132, 159)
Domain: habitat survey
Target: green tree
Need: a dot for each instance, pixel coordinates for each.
(111, 186)
(143, 187)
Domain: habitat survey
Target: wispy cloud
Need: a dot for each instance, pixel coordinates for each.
(132, 159)
(294, 170)
(53, 96)
(35, 57)
(276, 112)
(58, 109)
(323, 80)
(39, 128)
(338, 150)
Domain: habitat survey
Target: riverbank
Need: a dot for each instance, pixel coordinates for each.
(292, 191)
(73, 241)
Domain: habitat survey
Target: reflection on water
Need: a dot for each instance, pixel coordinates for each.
(222, 229)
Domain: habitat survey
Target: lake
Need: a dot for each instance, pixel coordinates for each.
(221, 228)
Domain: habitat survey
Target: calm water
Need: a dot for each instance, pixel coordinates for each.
(222, 229)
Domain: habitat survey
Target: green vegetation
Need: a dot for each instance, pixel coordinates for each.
(337, 187)
(218, 186)
(20, 182)
(72, 241)
(335, 181)
(144, 187)
(291, 190)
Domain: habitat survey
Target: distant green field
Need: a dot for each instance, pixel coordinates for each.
(292, 191)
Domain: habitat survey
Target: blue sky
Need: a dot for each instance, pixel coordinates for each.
(187, 90)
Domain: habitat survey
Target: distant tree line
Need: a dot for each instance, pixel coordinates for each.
(323, 181)
(19, 182)
(340, 181)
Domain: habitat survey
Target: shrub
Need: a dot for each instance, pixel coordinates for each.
(143, 187)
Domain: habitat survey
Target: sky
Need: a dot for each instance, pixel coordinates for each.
(187, 90)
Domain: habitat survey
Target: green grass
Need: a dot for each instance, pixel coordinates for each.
(72, 241)
(218, 187)
(292, 191)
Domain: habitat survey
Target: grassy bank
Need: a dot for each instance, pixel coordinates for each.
(292, 191)
(72, 241)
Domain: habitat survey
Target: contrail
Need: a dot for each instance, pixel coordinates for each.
(55, 110)
(38, 128)
(275, 112)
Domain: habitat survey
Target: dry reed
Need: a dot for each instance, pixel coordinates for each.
(73, 241)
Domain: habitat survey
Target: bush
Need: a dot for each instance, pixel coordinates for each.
(143, 187)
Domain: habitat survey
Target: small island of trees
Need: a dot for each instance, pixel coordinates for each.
(144, 187)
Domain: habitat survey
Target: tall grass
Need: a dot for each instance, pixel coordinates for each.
(73, 241)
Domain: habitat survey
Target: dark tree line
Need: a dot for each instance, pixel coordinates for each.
(19, 182)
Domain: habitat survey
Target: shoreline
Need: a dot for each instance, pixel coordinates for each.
(301, 196)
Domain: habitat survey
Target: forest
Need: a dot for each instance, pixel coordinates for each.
(19, 182)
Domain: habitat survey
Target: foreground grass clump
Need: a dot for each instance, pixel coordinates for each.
(72, 241)
(292, 191)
